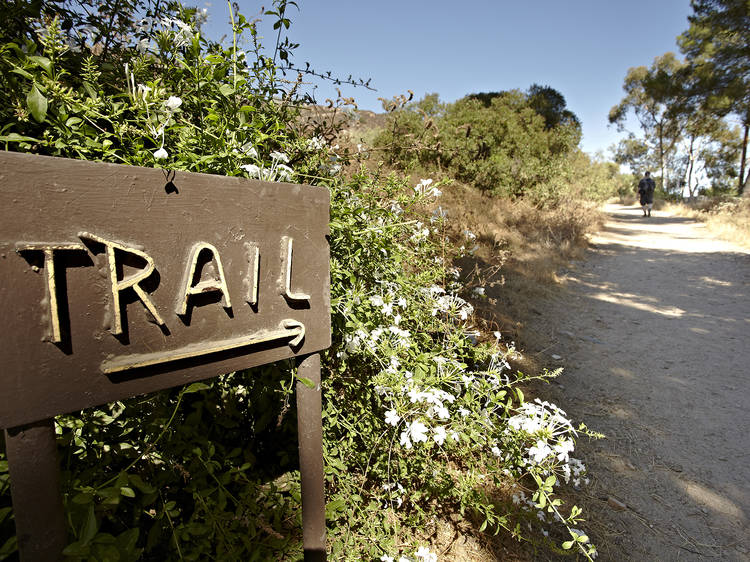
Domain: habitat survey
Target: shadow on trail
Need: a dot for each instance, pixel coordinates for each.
(655, 354)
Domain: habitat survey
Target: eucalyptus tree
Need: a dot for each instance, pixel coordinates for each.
(656, 97)
(717, 46)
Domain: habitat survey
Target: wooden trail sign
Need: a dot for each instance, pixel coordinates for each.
(117, 281)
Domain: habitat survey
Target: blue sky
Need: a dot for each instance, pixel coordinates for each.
(582, 48)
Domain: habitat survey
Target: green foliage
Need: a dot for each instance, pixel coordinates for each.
(422, 414)
(716, 47)
(681, 106)
(511, 144)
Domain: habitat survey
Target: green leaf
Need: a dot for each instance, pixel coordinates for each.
(90, 90)
(335, 506)
(9, 547)
(567, 545)
(196, 387)
(37, 104)
(83, 499)
(127, 492)
(138, 482)
(307, 382)
(226, 90)
(127, 541)
(89, 527)
(76, 549)
(73, 121)
(15, 137)
(44, 62)
(23, 73)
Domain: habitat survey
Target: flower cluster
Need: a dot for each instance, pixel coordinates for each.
(278, 171)
(424, 188)
(449, 305)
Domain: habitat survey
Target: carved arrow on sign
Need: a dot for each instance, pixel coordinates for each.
(289, 329)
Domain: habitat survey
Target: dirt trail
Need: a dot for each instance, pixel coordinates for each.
(653, 330)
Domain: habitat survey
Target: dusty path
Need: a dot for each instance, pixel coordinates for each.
(653, 330)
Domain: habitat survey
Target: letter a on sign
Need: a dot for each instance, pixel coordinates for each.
(206, 286)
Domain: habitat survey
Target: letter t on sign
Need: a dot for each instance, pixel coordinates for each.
(132, 281)
(49, 266)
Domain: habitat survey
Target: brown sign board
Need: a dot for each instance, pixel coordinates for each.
(117, 281)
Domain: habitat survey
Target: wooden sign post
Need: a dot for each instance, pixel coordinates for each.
(118, 281)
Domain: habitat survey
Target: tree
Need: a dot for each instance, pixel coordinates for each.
(656, 97)
(550, 104)
(717, 46)
(634, 153)
(709, 147)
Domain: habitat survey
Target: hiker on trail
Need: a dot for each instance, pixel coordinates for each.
(646, 192)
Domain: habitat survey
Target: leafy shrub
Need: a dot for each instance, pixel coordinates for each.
(422, 414)
(511, 144)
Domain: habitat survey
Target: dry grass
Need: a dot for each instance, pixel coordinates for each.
(521, 250)
(727, 218)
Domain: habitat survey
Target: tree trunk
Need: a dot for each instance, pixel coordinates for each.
(743, 162)
(661, 158)
(690, 167)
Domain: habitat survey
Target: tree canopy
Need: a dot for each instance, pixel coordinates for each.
(717, 46)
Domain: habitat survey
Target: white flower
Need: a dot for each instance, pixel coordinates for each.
(496, 451)
(424, 553)
(143, 91)
(403, 559)
(184, 33)
(376, 300)
(397, 319)
(439, 434)
(438, 215)
(464, 412)
(249, 150)
(317, 143)
(252, 169)
(402, 302)
(563, 448)
(161, 154)
(418, 431)
(442, 412)
(142, 46)
(540, 451)
(280, 156)
(404, 439)
(479, 291)
(385, 558)
(497, 335)
(284, 172)
(172, 103)
(423, 187)
(392, 418)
